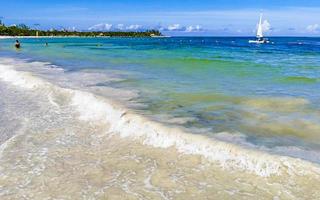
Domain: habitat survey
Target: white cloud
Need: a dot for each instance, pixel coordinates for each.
(121, 27)
(176, 27)
(118, 27)
(134, 27)
(314, 28)
(72, 28)
(101, 27)
(196, 28)
(180, 28)
(266, 26)
(137, 27)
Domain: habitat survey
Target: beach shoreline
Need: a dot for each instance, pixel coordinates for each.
(128, 124)
(122, 152)
(41, 37)
(118, 124)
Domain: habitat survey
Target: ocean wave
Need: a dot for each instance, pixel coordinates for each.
(127, 124)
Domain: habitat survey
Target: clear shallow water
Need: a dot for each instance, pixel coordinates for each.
(265, 95)
(259, 97)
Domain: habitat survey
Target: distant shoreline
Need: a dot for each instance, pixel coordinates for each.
(33, 37)
(68, 36)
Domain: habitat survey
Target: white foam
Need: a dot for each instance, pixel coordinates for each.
(128, 124)
(151, 133)
(21, 79)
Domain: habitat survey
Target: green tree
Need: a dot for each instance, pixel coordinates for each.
(24, 30)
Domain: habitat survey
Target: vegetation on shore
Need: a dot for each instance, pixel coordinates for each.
(23, 30)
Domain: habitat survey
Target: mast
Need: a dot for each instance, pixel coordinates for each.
(260, 31)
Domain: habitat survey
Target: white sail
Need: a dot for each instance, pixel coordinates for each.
(260, 39)
(260, 31)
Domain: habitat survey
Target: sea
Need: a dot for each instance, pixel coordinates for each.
(160, 118)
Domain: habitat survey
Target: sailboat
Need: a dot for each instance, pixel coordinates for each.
(260, 38)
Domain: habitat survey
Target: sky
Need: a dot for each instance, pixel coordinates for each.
(172, 17)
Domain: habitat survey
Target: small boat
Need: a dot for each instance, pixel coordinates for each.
(260, 38)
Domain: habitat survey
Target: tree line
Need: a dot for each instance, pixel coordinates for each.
(23, 30)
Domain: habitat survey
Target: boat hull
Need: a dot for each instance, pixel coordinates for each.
(259, 41)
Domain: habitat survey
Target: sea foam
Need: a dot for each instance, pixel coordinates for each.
(127, 124)
(231, 156)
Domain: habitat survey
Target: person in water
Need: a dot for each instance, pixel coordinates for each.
(17, 44)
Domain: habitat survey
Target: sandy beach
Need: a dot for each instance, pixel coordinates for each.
(90, 146)
(159, 100)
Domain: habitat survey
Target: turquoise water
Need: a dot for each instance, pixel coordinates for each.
(260, 96)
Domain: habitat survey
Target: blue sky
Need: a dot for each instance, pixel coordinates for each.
(173, 17)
